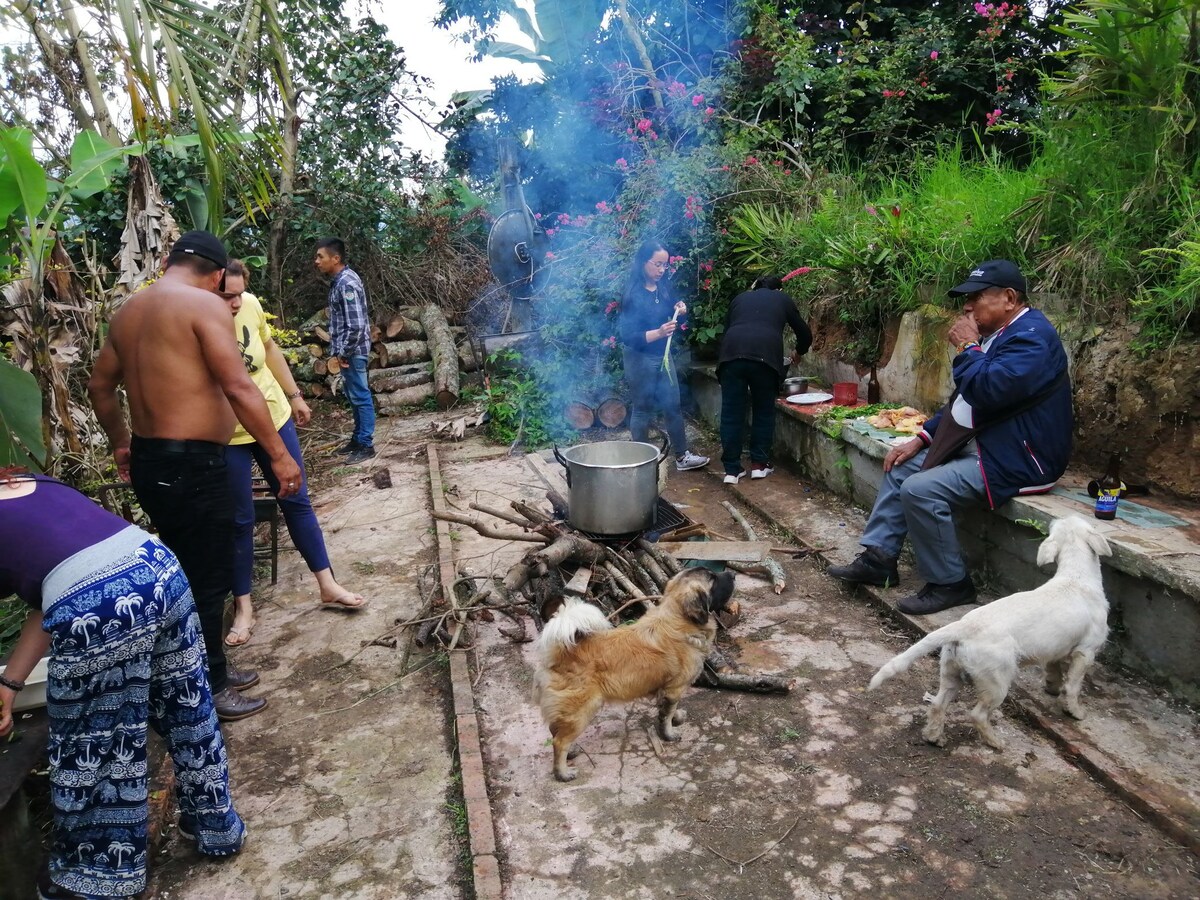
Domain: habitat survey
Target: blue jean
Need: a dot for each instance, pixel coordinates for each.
(739, 377)
(919, 505)
(653, 391)
(297, 509)
(354, 377)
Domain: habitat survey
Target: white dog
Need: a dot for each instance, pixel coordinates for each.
(1059, 626)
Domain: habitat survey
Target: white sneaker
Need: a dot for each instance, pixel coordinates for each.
(761, 470)
(734, 479)
(690, 460)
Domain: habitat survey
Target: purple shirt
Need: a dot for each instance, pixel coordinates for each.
(40, 530)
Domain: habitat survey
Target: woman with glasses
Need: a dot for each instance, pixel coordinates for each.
(269, 370)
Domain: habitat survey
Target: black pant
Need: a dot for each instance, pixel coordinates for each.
(184, 489)
(739, 377)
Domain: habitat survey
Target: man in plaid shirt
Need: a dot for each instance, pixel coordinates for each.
(350, 342)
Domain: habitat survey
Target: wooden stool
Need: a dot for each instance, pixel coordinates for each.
(266, 509)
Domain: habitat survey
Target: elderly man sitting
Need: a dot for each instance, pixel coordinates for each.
(1006, 430)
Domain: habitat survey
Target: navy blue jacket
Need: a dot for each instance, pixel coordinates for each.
(1026, 453)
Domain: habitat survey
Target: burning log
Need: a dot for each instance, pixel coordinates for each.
(611, 413)
(579, 415)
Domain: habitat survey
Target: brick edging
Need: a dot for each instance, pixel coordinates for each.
(1070, 743)
(485, 867)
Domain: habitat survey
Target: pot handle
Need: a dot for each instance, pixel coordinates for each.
(563, 463)
(663, 453)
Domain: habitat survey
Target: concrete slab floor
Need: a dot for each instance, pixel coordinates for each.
(347, 781)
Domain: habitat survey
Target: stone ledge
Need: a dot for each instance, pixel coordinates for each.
(1152, 578)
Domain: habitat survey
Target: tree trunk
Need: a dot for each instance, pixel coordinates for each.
(579, 415)
(398, 402)
(321, 334)
(307, 370)
(444, 354)
(612, 412)
(404, 329)
(397, 380)
(316, 351)
(333, 365)
(402, 353)
(289, 97)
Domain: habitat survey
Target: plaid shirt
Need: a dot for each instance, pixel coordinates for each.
(348, 329)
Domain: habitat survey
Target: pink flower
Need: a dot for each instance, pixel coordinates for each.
(697, 100)
(708, 111)
(611, 308)
(609, 342)
(993, 117)
(644, 125)
(602, 207)
(621, 163)
(872, 211)
(982, 10)
(887, 94)
(803, 270)
(896, 211)
(550, 232)
(933, 54)
(550, 255)
(751, 161)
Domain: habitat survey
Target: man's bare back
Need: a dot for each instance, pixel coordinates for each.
(172, 347)
(164, 337)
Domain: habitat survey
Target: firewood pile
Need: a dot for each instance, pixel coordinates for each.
(623, 579)
(415, 355)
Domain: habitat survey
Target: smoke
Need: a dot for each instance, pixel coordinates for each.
(610, 157)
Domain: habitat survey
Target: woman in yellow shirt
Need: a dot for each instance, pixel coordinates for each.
(269, 370)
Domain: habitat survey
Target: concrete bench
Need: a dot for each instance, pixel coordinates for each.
(1152, 578)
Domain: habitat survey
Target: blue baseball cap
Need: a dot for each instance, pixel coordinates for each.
(993, 273)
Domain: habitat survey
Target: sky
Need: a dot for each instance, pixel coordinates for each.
(436, 54)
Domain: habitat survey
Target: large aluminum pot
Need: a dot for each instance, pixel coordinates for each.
(614, 485)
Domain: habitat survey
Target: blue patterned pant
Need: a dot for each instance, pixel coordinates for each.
(126, 651)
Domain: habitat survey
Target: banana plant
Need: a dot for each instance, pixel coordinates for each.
(31, 206)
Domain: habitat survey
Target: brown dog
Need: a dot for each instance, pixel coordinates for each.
(584, 662)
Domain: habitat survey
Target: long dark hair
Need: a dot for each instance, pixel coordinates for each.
(636, 280)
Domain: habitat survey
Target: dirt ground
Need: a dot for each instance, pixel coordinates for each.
(348, 780)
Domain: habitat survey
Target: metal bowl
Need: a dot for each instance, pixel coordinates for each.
(795, 386)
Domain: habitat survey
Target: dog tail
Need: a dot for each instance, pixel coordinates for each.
(923, 647)
(573, 622)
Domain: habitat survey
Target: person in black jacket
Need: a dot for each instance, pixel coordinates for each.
(752, 362)
(650, 314)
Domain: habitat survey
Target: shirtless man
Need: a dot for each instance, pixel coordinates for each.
(172, 348)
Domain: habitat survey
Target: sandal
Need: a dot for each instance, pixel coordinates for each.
(346, 601)
(239, 634)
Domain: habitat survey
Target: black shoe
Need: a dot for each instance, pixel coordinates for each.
(936, 597)
(240, 679)
(869, 567)
(360, 454)
(350, 447)
(48, 890)
(232, 706)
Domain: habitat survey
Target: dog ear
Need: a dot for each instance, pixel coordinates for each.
(1048, 551)
(1098, 543)
(722, 590)
(694, 608)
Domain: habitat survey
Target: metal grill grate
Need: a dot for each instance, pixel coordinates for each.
(666, 517)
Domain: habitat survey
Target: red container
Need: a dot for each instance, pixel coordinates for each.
(845, 393)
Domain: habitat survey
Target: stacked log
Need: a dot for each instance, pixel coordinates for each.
(406, 367)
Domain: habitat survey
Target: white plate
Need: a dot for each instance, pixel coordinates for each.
(810, 398)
